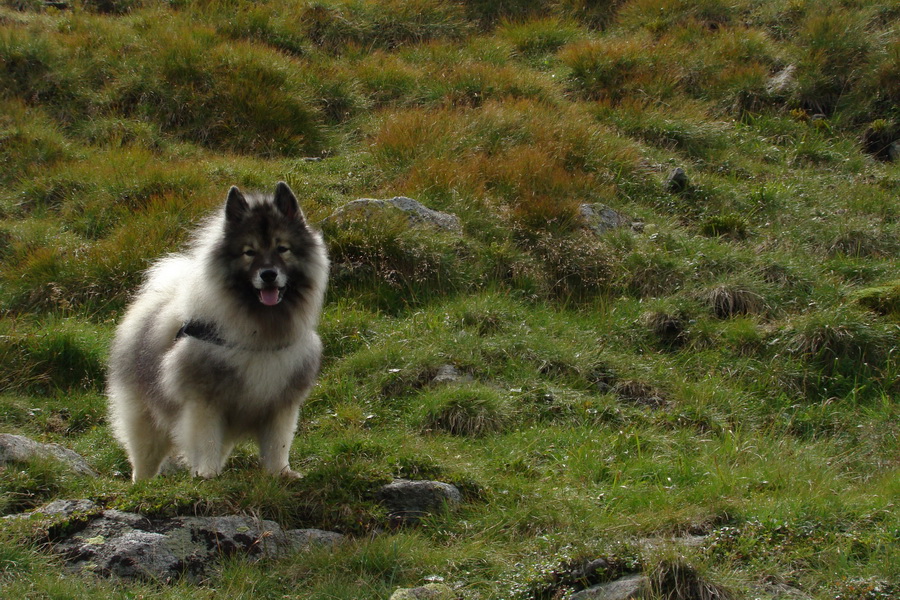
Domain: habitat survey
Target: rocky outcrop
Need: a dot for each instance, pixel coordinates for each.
(412, 211)
(17, 448)
(132, 546)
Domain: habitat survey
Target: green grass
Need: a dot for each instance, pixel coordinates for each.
(728, 371)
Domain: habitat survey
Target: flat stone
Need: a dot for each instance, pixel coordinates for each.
(600, 218)
(431, 591)
(633, 587)
(301, 539)
(449, 374)
(683, 541)
(61, 508)
(18, 448)
(781, 591)
(409, 501)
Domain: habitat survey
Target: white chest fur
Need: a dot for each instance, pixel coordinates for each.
(245, 375)
(266, 374)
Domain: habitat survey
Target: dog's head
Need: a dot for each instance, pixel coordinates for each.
(269, 246)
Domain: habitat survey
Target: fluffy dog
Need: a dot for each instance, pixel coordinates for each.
(220, 342)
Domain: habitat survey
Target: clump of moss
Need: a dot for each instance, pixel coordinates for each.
(883, 299)
(725, 225)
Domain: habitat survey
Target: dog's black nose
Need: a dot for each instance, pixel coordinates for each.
(268, 275)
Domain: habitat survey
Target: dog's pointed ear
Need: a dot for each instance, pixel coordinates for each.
(236, 207)
(286, 202)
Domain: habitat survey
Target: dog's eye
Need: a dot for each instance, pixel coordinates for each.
(249, 252)
(283, 249)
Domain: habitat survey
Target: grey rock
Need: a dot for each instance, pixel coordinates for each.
(301, 539)
(431, 591)
(633, 587)
(408, 501)
(600, 218)
(17, 448)
(677, 181)
(67, 508)
(589, 570)
(781, 591)
(449, 374)
(415, 213)
(783, 82)
(58, 509)
(893, 151)
(131, 546)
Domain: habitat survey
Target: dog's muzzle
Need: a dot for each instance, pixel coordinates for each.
(270, 286)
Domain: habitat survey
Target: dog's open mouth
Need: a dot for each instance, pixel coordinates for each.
(271, 296)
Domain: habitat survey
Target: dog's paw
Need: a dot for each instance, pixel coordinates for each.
(289, 473)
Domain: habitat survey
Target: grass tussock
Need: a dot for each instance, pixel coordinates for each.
(676, 580)
(719, 363)
(841, 340)
(726, 300)
(468, 411)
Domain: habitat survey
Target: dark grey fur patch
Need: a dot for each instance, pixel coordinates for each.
(206, 376)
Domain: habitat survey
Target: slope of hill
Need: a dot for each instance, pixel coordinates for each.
(726, 368)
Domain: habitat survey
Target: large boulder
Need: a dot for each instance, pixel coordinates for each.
(17, 448)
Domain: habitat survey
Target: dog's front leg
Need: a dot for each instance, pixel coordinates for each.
(275, 437)
(200, 435)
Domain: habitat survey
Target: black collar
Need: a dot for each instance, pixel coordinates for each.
(206, 332)
(201, 331)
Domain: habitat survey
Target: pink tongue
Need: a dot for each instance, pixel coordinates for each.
(269, 296)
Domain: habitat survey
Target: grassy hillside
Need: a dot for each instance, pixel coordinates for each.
(730, 371)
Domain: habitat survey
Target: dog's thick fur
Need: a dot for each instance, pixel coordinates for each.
(220, 342)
